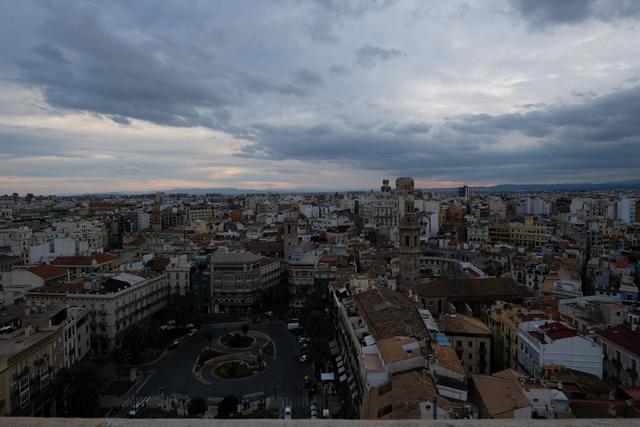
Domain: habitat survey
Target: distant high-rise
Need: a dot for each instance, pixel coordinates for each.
(409, 247)
(404, 184)
(463, 192)
(386, 188)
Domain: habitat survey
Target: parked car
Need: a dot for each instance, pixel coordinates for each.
(287, 413)
(304, 358)
(174, 344)
(305, 346)
(268, 313)
(302, 340)
(192, 332)
(314, 412)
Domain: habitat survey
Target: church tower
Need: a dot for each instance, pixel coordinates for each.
(290, 234)
(409, 232)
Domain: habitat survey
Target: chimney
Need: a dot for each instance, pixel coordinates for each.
(28, 330)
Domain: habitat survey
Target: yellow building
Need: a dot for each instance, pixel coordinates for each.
(504, 321)
(29, 358)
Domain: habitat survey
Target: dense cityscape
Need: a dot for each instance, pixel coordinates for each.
(330, 213)
(398, 303)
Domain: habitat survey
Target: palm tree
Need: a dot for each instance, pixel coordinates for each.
(209, 338)
(78, 389)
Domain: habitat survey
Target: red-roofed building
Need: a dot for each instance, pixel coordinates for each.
(49, 273)
(82, 264)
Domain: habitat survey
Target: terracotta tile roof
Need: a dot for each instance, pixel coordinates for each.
(84, 260)
(623, 336)
(158, 264)
(391, 348)
(557, 331)
(488, 288)
(48, 272)
(500, 396)
(448, 359)
(389, 313)
(461, 324)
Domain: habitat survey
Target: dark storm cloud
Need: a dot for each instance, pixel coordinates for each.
(86, 65)
(599, 135)
(542, 13)
(368, 55)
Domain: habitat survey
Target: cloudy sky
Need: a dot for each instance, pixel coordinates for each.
(325, 94)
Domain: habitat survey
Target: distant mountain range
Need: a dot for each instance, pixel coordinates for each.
(553, 187)
(621, 185)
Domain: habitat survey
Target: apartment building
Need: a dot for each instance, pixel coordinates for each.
(203, 213)
(471, 340)
(527, 234)
(178, 274)
(115, 302)
(91, 236)
(239, 279)
(301, 275)
(29, 359)
(76, 336)
(504, 321)
(545, 343)
(80, 265)
(621, 351)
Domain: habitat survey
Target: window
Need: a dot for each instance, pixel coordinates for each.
(470, 344)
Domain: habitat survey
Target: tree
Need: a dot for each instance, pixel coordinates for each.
(78, 389)
(244, 328)
(209, 339)
(197, 406)
(228, 407)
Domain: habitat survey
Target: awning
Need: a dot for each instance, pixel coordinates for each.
(354, 394)
(340, 364)
(341, 369)
(326, 376)
(339, 359)
(343, 378)
(333, 344)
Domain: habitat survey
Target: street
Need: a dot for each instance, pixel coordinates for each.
(173, 371)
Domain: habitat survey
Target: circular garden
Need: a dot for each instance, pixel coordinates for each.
(237, 340)
(237, 370)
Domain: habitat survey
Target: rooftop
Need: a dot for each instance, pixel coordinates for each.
(72, 261)
(461, 324)
(234, 258)
(48, 272)
(389, 314)
(623, 336)
(489, 288)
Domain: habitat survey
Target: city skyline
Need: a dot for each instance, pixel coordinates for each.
(315, 95)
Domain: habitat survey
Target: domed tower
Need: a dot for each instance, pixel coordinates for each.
(409, 232)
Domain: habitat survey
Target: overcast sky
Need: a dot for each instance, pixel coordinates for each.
(326, 94)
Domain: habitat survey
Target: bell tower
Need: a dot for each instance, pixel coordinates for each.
(290, 234)
(409, 232)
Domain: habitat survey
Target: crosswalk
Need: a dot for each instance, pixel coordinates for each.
(137, 401)
(223, 325)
